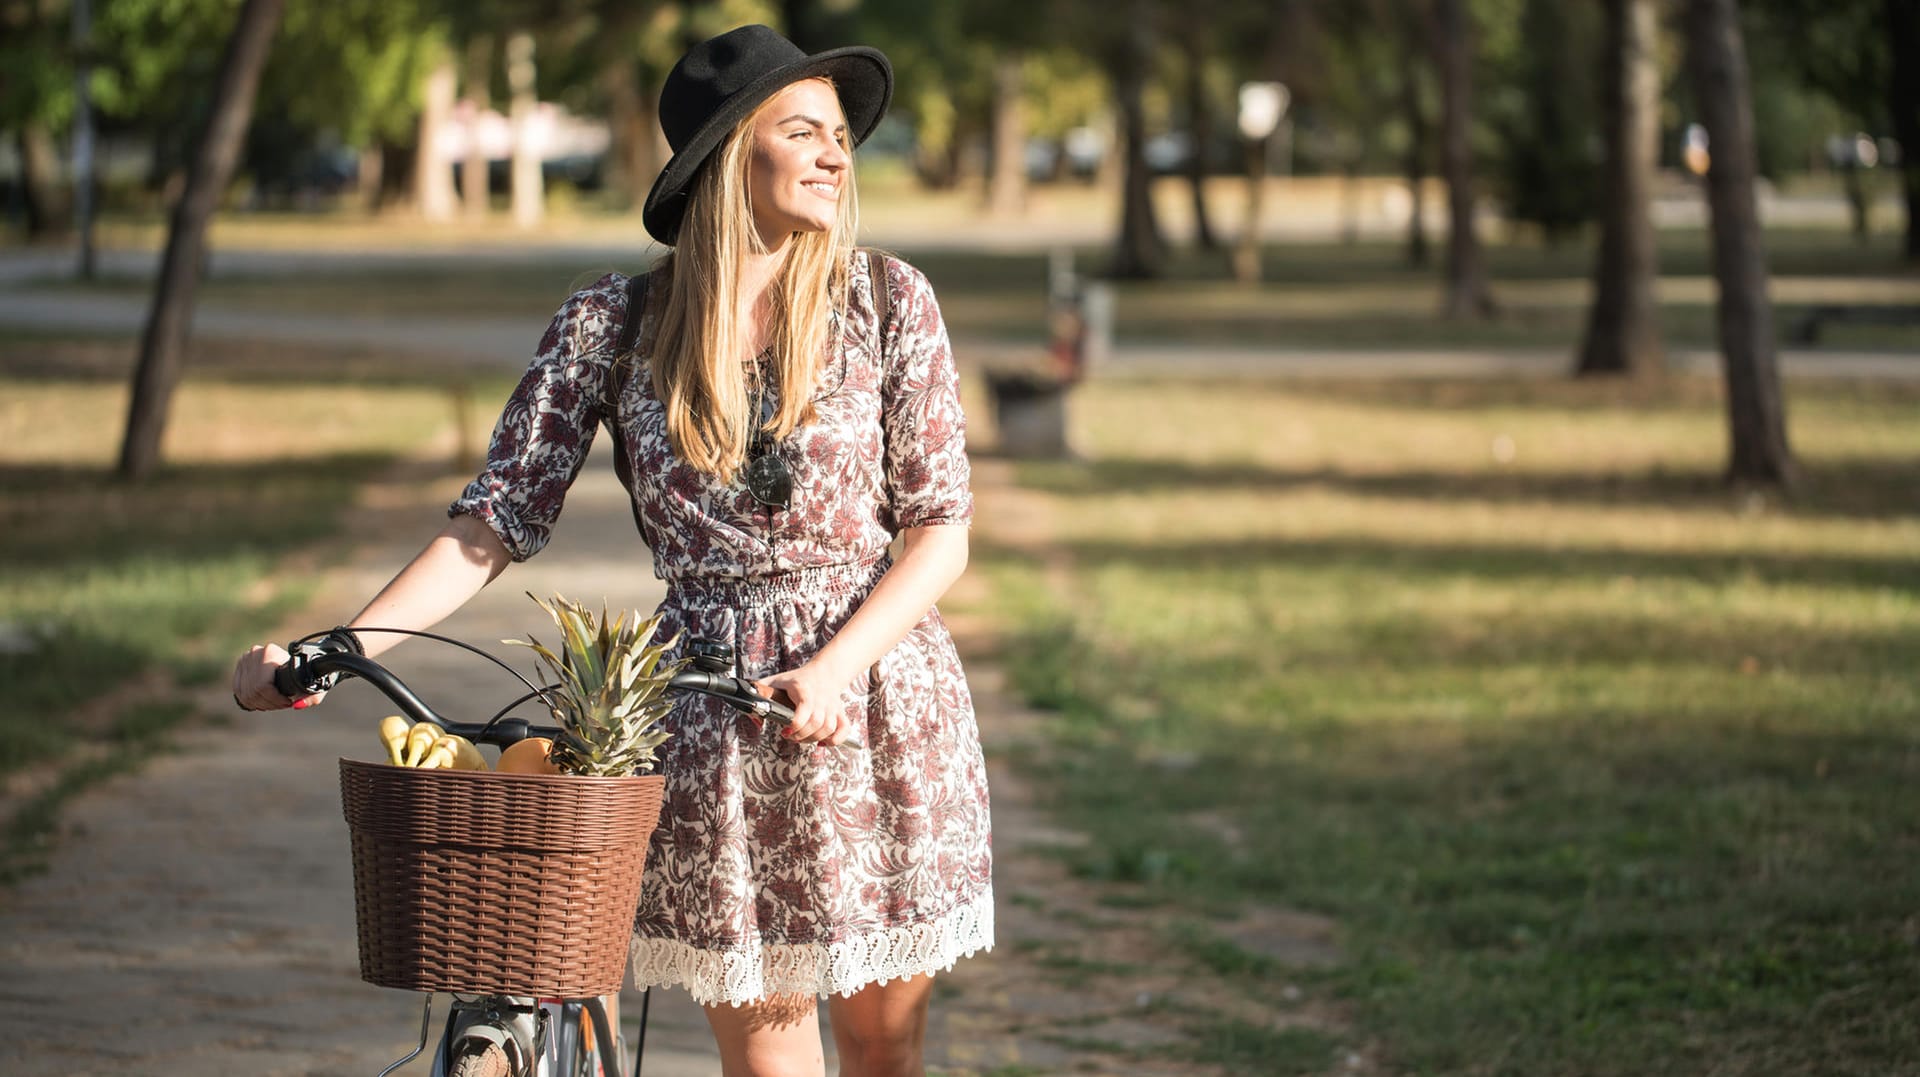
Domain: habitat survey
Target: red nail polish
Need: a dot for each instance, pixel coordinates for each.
(302, 704)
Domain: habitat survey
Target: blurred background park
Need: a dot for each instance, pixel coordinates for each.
(1485, 515)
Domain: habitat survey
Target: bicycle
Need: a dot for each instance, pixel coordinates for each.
(489, 1035)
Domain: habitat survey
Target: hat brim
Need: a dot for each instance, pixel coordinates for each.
(862, 76)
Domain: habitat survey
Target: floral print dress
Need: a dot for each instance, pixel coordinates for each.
(779, 867)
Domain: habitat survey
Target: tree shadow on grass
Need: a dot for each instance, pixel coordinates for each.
(67, 517)
(1508, 563)
(293, 367)
(1860, 489)
(1679, 393)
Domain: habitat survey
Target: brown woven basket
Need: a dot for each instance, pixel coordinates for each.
(501, 884)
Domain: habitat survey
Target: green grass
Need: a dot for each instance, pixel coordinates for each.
(1600, 770)
(109, 582)
(1241, 1047)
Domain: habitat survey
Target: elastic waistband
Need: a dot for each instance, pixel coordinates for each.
(821, 580)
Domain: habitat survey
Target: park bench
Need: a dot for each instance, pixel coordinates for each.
(1027, 388)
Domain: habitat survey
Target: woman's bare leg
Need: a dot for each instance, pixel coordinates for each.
(881, 1030)
(774, 1037)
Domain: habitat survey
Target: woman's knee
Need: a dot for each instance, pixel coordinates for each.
(777, 1036)
(881, 1031)
(881, 1053)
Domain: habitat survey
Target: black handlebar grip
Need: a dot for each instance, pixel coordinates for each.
(286, 681)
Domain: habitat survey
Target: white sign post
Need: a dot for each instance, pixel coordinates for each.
(1262, 104)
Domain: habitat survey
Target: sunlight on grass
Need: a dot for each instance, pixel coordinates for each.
(108, 580)
(1602, 770)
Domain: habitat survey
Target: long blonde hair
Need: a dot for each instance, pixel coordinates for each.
(698, 343)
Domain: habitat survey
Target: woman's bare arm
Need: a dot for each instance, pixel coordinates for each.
(931, 559)
(464, 557)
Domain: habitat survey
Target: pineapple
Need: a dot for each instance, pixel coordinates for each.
(611, 691)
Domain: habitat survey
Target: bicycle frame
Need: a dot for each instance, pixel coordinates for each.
(539, 1037)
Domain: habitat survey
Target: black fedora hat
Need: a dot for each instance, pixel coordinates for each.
(720, 81)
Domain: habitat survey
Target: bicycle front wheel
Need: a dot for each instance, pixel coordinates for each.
(476, 1058)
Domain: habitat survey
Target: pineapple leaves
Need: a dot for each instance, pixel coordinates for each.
(610, 687)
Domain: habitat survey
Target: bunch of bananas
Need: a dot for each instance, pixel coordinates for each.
(425, 745)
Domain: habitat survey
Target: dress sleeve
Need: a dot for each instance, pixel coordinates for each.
(927, 473)
(546, 429)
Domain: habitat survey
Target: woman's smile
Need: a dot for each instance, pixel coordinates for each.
(801, 152)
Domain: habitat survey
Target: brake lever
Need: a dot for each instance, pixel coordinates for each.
(292, 674)
(743, 695)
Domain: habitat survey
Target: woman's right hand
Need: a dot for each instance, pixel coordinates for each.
(253, 688)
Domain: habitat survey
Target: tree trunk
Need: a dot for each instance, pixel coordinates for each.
(630, 165)
(475, 192)
(432, 172)
(529, 193)
(169, 321)
(1467, 293)
(85, 170)
(1853, 182)
(1007, 182)
(369, 180)
(1903, 102)
(1350, 202)
(1623, 326)
(48, 214)
(1418, 132)
(1419, 129)
(1200, 126)
(1756, 410)
(1141, 249)
(1246, 251)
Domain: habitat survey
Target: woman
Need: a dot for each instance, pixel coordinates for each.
(783, 416)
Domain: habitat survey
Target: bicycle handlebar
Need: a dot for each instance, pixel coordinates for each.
(313, 668)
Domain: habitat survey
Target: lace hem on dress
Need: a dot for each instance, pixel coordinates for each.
(754, 971)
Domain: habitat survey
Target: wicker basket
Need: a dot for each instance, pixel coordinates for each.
(505, 884)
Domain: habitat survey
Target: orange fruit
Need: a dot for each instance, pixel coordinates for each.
(527, 757)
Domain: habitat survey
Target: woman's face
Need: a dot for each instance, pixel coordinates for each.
(800, 163)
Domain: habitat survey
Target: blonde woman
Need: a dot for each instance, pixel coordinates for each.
(784, 406)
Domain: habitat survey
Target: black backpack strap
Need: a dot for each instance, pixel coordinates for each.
(882, 292)
(636, 302)
(608, 406)
(616, 386)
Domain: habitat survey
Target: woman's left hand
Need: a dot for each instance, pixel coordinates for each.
(819, 711)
